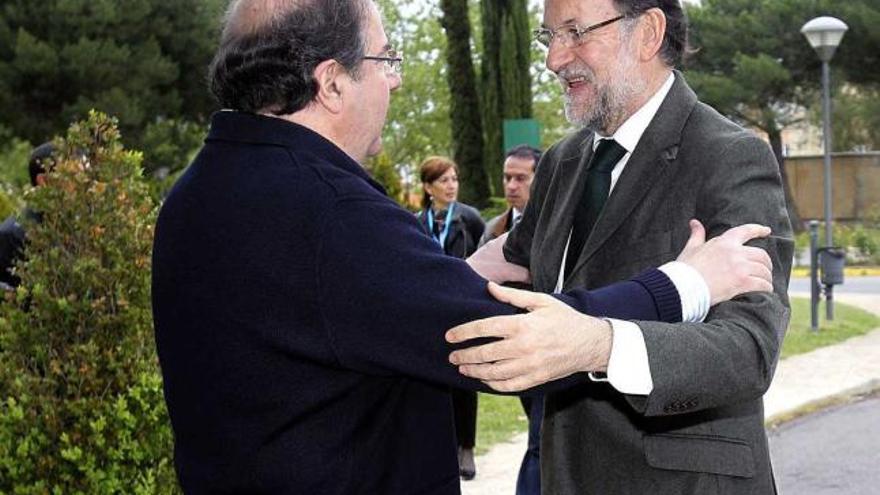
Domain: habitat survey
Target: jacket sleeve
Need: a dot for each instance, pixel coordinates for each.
(388, 294)
(731, 356)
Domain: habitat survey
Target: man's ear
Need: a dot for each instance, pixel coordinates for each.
(651, 32)
(332, 80)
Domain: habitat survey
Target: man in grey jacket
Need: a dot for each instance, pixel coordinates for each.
(672, 408)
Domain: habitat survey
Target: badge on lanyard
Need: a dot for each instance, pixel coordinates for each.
(442, 239)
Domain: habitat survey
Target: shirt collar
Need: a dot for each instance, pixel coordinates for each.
(630, 132)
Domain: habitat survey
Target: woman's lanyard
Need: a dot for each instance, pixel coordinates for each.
(445, 232)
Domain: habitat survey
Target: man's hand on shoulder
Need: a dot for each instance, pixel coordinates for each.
(727, 265)
(549, 342)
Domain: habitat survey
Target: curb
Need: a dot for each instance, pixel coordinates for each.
(844, 397)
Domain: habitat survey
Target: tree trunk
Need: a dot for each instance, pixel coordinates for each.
(506, 82)
(775, 137)
(464, 108)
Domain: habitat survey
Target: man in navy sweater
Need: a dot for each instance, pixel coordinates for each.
(299, 312)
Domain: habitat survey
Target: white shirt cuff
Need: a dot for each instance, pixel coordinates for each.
(628, 368)
(692, 290)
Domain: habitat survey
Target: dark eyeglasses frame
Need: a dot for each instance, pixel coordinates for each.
(545, 36)
(393, 61)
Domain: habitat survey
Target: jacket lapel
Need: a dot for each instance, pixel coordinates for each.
(571, 175)
(656, 149)
(503, 224)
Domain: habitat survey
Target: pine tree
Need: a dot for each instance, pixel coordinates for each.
(505, 80)
(467, 124)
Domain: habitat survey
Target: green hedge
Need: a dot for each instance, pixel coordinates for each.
(81, 407)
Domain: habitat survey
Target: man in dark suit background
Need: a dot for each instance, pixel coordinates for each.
(520, 163)
(680, 410)
(299, 311)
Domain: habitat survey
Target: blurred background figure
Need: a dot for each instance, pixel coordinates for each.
(520, 164)
(12, 235)
(457, 228)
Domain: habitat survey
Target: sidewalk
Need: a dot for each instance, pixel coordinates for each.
(800, 380)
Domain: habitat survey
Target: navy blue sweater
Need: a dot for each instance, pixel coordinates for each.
(299, 319)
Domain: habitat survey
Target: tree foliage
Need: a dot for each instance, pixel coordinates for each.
(138, 60)
(769, 74)
(467, 124)
(855, 118)
(506, 83)
(384, 172)
(419, 122)
(81, 406)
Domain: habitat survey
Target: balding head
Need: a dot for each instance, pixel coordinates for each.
(270, 49)
(248, 17)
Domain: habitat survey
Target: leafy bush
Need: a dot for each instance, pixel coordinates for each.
(383, 172)
(860, 240)
(81, 407)
(14, 154)
(169, 145)
(8, 203)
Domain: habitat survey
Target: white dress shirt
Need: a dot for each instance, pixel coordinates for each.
(628, 368)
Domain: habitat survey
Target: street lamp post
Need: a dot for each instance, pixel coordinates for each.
(824, 35)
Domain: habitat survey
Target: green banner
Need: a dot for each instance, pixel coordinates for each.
(521, 131)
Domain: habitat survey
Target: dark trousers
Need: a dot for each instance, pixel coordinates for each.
(528, 482)
(464, 405)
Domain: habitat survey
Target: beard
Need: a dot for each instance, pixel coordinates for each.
(609, 106)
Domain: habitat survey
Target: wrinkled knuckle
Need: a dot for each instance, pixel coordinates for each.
(492, 373)
(482, 355)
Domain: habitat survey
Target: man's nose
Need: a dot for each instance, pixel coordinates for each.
(396, 81)
(558, 56)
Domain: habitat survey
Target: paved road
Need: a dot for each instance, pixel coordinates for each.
(851, 285)
(832, 452)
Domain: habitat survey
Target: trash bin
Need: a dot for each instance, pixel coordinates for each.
(831, 262)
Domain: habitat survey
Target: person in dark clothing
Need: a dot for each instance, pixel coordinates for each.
(520, 164)
(457, 229)
(299, 312)
(12, 233)
(670, 409)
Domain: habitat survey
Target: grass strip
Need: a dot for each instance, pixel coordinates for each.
(500, 418)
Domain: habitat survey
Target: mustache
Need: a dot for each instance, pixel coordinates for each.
(569, 73)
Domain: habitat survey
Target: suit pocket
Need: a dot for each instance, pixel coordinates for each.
(701, 454)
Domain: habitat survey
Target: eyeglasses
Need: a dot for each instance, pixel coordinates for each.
(571, 35)
(393, 61)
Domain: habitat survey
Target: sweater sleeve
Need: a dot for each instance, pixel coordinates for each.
(388, 294)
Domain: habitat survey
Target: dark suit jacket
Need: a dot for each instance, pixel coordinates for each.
(299, 316)
(701, 429)
(464, 233)
(497, 226)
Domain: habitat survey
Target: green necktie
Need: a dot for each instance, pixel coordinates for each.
(606, 156)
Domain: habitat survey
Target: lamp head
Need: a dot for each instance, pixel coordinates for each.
(824, 34)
